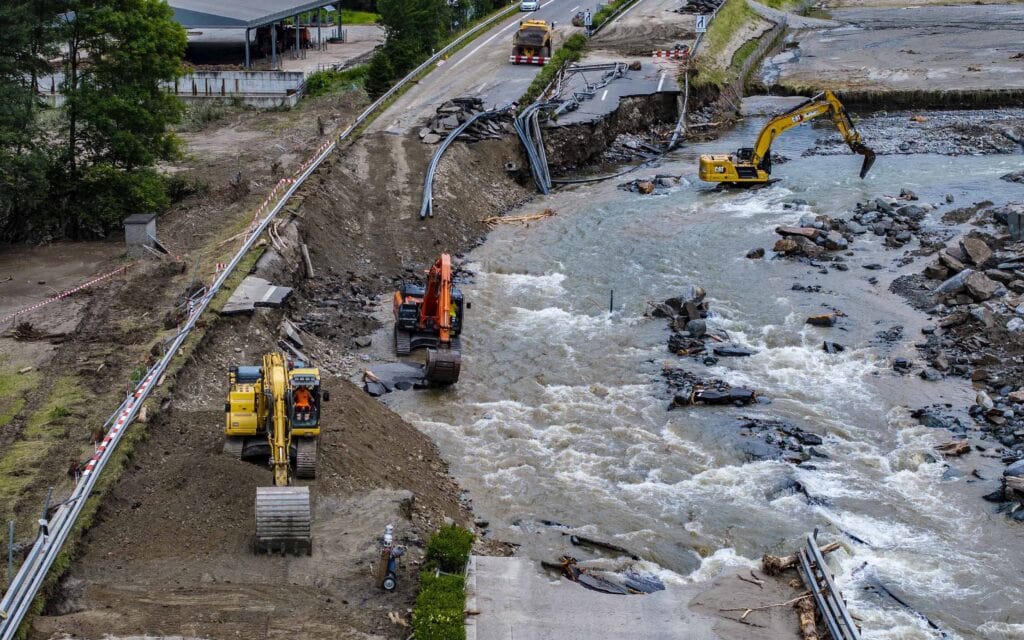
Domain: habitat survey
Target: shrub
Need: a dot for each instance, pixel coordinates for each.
(440, 607)
(448, 549)
(324, 82)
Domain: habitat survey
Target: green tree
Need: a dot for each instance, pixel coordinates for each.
(28, 41)
(115, 114)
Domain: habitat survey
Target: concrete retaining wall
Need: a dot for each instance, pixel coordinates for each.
(261, 89)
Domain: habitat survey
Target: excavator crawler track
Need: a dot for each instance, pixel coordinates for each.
(283, 520)
(233, 447)
(305, 458)
(403, 342)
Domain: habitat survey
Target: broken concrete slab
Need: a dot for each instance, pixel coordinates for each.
(255, 292)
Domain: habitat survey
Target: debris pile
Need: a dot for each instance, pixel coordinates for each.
(892, 218)
(629, 147)
(626, 581)
(699, 6)
(690, 389)
(974, 290)
(813, 236)
(646, 186)
(455, 112)
(773, 439)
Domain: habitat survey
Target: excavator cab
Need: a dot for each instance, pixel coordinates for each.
(305, 401)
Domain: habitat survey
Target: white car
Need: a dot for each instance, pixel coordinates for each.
(529, 5)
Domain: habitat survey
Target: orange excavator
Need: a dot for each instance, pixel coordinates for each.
(431, 316)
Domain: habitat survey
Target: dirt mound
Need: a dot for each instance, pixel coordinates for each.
(171, 552)
(649, 27)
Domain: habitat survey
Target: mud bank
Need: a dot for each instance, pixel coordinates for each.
(573, 147)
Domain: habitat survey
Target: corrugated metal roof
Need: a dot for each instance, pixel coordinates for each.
(209, 14)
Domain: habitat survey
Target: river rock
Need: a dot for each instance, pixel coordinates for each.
(835, 241)
(955, 284)
(1015, 470)
(823, 320)
(979, 286)
(754, 254)
(645, 187)
(733, 350)
(951, 262)
(431, 138)
(856, 228)
(806, 232)
(975, 251)
(697, 328)
(832, 347)
(936, 272)
(1016, 176)
(786, 246)
(1015, 325)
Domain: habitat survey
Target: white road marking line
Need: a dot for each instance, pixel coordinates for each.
(660, 82)
(604, 95)
(574, 8)
(483, 44)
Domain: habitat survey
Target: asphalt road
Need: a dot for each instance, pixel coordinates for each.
(481, 69)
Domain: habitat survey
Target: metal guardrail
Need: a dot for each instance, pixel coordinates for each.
(830, 603)
(427, 206)
(54, 531)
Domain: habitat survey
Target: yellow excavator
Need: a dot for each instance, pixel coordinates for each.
(273, 413)
(753, 165)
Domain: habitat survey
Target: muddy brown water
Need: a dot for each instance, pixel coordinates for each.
(560, 413)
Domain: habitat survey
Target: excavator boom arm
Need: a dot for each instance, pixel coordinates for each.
(275, 376)
(437, 298)
(825, 102)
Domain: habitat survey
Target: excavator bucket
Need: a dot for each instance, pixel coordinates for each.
(283, 520)
(443, 365)
(869, 159)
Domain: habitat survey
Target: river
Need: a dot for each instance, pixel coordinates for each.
(560, 413)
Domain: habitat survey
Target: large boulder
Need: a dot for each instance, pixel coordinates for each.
(975, 251)
(979, 286)
(835, 241)
(806, 232)
(786, 246)
(954, 284)
(951, 262)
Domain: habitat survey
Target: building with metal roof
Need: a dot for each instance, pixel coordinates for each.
(243, 14)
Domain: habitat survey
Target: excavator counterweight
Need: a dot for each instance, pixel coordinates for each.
(753, 165)
(431, 316)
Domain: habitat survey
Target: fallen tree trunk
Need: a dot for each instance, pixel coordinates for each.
(774, 565)
(808, 628)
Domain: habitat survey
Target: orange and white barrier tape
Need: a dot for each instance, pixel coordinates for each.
(64, 294)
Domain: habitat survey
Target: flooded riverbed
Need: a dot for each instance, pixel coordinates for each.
(560, 413)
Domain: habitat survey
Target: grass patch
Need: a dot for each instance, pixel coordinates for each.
(44, 427)
(729, 20)
(570, 51)
(325, 82)
(440, 608)
(12, 386)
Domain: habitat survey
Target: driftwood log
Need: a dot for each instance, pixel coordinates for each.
(808, 628)
(774, 565)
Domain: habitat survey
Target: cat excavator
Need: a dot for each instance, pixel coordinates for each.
(753, 165)
(273, 413)
(431, 316)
